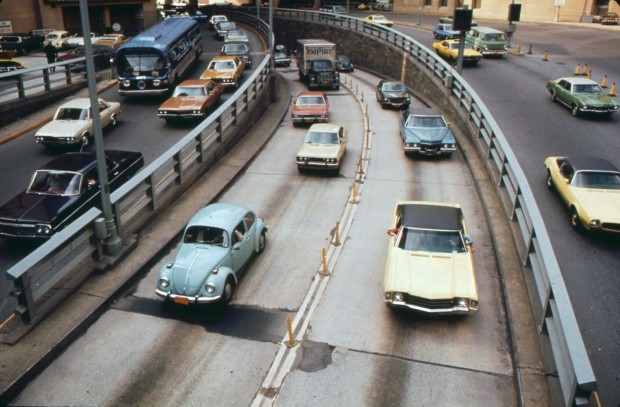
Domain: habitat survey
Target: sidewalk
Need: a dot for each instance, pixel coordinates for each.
(25, 359)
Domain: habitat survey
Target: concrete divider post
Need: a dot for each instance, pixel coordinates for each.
(336, 240)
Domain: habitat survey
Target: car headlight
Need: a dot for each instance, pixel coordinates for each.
(156, 82)
(302, 158)
(44, 230)
(209, 288)
(461, 302)
(164, 282)
(595, 223)
(163, 112)
(126, 84)
(398, 296)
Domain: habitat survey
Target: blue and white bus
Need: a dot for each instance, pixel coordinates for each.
(155, 60)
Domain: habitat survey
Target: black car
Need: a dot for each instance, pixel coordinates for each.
(281, 59)
(61, 191)
(344, 64)
(102, 56)
(240, 49)
(21, 43)
(392, 93)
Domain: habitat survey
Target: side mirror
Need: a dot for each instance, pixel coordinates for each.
(468, 240)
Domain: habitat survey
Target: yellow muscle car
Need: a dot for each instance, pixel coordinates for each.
(590, 187)
(225, 69)
(323, 148)
(449, 50)
(429, 267)
(379, 19)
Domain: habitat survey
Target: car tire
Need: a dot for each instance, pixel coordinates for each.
(553, 96)
(85, 139)
(227, 293)
(575, 222)
(262, 242)
(549, 181)
(113, 121)
(574, 110)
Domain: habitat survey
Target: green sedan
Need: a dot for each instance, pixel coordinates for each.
(581, 95)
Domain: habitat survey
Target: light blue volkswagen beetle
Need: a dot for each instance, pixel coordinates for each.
(218, 242)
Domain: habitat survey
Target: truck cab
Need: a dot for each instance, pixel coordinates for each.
(316, 63)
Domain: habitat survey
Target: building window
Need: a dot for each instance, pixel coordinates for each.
(443, 3)
(428, 2)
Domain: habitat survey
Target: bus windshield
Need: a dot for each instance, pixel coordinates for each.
(136, 63)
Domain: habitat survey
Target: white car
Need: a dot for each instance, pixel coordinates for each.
(57, 39)
(73, 124)
(323, 148)
(78, 41)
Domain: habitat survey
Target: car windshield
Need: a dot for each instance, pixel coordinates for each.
(235, 33)
(593, 89)
(343, 59)
(222, 66)
(310, 100)
(72, 113)
(393, 87)
(322, 65)
(189, 91)
(448, 27)
(321, 137)
(378, 18)
(140, 64)
(8, 39)
(495, 37)
(55, 183)
(206, 235)
(596, 180)
(426, 240)
(425, 121)
(235, 48)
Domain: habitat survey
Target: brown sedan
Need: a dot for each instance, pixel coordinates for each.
(310, 107)
(192, 99)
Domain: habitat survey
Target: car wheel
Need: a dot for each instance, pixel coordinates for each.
(229, 288)
(113, 121)
(85, 139)
(262, 242)
(575, 222)
(574, 110)
(553, 96)
(549, 181)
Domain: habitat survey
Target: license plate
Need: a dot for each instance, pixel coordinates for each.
(181, 300)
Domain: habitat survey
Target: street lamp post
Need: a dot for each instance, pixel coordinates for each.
(419, 12)
(112, 243)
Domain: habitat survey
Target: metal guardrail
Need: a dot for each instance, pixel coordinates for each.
(556, 317)
(51, 272)
(157, 185)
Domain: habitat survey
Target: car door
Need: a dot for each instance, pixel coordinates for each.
(242, 246)
(564, 89)
(105, 113)
(567, 172)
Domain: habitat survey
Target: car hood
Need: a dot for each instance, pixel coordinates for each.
(596, 100)
(35, 208)
(318, 150)
(309, 109)
(211, 74)
(431, 275)
(182, 103)
(392, 94)
(63, 128)
(429, 135)
(602, 204)
(193, 265)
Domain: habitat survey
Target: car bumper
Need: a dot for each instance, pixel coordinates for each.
(492, 52)
(317, 164)
(186, 115)
(24, 231)
(283, 62)
(309, 119)
(430, 150)
(446, 306)
(598, 110)
(57, 141)
(186, 300)
(454, 310)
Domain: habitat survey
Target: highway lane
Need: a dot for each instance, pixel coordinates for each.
(513, 88)
(138, 129)
(353, 347)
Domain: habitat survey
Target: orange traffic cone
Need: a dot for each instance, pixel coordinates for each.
(546, 56)
(585, 70)
(577, 70)
(604, 83)
(612, 91)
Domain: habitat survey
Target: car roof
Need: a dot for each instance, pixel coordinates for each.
(431, 216)
(78, 102)
(423, 111)
(486, 30)
(221, 215)
(325, 127)
(73, 161)
(578, 81)
(591, 164)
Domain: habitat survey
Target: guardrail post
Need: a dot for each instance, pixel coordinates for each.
(23, 291)
(46, 80)
(21, 89)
